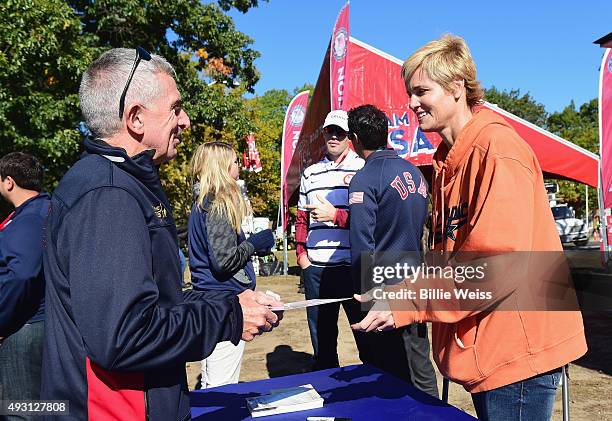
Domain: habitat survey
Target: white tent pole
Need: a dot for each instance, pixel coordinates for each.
(586, 188)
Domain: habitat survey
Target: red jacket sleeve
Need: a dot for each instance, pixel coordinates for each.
(301, 232)
(342, 218)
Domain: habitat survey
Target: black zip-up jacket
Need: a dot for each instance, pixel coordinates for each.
(118, 328)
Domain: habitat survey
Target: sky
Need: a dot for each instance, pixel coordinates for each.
(542, 47)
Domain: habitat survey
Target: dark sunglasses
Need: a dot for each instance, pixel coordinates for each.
(141, 54)
(335, 130)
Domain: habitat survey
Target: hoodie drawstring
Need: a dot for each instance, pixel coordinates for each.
(443, 208)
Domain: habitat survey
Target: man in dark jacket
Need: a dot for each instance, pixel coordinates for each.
(388, 207)
(22, 283)
(119, 329)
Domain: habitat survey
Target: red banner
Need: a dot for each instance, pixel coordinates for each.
(294, 120)
(377, 80)
(605, 126)
(338, 60)
(254, 163)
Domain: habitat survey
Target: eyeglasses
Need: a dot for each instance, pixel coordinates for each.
(141, 54)
(337, 131)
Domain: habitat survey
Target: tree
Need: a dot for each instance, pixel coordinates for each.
(523, 106)
(267, 113)
(579, 126)
(42, 54)
(45, 45)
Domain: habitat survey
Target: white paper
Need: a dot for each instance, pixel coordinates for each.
(308, 303)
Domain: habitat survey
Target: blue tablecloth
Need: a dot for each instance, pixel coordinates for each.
(360, 392)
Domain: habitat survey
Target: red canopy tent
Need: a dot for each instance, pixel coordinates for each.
(373, 77)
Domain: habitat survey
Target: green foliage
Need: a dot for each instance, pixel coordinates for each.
(579, 126)
(42, 54)
(45, 45)
(267, 112)
(523, 106)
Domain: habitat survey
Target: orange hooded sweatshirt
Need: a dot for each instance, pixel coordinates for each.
(492, 177)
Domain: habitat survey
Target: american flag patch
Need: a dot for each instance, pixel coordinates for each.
(355, 198)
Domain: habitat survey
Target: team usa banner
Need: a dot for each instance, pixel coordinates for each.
(294, 120)
(338, 60)
(605, 126)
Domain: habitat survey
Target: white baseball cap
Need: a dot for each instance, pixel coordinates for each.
(337, 118)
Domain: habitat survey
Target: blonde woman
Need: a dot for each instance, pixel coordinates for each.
(510, 361)
(219, 253)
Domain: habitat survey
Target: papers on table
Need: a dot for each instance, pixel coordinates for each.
(282, 401)
(308, 303)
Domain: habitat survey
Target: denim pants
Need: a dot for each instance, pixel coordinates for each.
(527, 400)
(20, 365)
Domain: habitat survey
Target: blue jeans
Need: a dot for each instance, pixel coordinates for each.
(527, 400)
(20, 365)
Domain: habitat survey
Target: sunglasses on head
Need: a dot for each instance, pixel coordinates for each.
(141, 54)
(339, 132)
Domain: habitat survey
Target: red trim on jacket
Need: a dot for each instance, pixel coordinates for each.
(114, 396)
(6, 221)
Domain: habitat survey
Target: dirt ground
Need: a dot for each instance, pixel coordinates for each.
(287, 350)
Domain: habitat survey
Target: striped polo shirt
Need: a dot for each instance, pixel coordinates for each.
(328, 244)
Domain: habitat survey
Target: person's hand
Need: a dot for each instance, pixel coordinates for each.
(322, 212)
(378, 319)
(303, 261)
(262, 241)
(256, 316)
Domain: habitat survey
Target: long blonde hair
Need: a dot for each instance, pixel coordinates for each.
(210, 166)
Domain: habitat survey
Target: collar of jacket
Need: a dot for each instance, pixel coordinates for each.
(382, 153)
(140, 165)
(21, 207)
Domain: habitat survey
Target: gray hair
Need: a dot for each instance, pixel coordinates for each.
(103, 83)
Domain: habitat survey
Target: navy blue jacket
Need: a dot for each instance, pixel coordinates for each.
(388, 207)
(22, 283)
(219, 258)
(118, 328)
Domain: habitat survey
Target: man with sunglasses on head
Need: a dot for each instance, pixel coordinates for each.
(322, 236)
(119, 329)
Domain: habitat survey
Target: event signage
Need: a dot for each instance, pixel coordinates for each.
(294, 120)
(253, 162)
(338, 59)
(605, 126)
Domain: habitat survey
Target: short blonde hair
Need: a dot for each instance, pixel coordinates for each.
(444, 61)
(210, 166)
